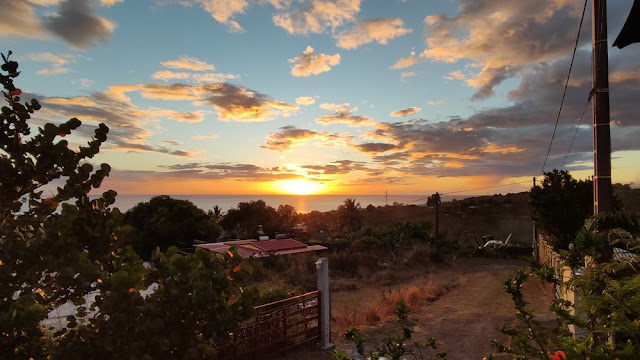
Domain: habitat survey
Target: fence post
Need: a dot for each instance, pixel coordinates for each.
(322, 265)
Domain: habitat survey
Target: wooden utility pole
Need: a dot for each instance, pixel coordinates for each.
(535, 233)
(434, 200)
(602, 189)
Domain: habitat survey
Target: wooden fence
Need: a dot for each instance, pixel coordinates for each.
(548, 256)
(277, 327)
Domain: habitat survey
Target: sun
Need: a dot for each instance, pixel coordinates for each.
(299, 187)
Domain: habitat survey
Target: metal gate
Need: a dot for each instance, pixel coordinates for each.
(278, 326)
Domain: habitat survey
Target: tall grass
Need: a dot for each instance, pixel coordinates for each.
(382, 307)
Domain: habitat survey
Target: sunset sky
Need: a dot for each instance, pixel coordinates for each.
(324, 96)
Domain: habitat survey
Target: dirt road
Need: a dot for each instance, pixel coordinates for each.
(463, 320)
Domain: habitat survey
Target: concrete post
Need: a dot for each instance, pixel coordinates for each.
(322, 265)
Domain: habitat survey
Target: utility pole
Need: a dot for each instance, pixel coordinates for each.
(434, 200)
(535, 233)
(602, 189)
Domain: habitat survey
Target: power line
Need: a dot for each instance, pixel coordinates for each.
(576, 132)
(566, 85)
(484, 188)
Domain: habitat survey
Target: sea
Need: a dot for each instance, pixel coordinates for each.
(302, 203)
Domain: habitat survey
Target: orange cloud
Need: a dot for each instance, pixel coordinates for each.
(79, 101)
(406, 112)
(343, 115)
(290, 136)
(309, 63)
(305, 100)
(188, 63)
(528, 33)
(57, 62)
(368, 31)
(493, 148)
(318, 17)
(406, 62)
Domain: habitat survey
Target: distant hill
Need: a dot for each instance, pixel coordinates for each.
(497, 215)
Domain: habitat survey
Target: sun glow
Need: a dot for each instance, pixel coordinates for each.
(299, 187)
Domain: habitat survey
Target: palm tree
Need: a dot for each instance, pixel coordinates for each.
(350, 215)
(217, 213)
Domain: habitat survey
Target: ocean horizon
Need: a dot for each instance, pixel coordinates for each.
(302, 203)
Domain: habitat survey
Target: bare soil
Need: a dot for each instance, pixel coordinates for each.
(464, 320)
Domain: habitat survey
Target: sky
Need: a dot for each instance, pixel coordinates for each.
(325, 96)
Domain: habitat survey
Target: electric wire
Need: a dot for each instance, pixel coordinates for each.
(566, 85)
(467, 190)
(576, 132)
(484, 188)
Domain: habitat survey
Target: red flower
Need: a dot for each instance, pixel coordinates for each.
(559, 355)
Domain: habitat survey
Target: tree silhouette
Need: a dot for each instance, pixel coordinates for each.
(561, 205)
(350, 215)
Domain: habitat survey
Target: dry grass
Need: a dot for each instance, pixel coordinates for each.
(383, 306)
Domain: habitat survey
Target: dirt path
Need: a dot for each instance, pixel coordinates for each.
(464, 320)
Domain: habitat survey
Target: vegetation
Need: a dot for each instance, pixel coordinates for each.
(560, 206)
(400, 234)
(245, 221)
(67, 248)
(163, 222)
(393, 348)
(350, 215)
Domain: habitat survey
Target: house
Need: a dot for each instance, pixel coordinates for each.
(262, 247)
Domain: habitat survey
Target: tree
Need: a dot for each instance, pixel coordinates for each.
(245, 220)
(47, 257)
(164, 221)
(216, 213)
(61, 248)
(288, 217)
(560, 206)
(608, 309)
(350, 215)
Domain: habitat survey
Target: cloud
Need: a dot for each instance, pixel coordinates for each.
(132, 127)
(375, 147)
(318, 16)
(205, 137)
(343, 115)
(188, 63)
(337, 167)
(380, 30)
(191, 64)
(305, 100)
(192, 116)
(76, 24)
(406, 112)
(57, 62)
(310, 63)
(167, 75)
(404, 63)
(223, 11)
(17, 18)
(234, 103)
(109, 3)
(407, 74)
(501, 38)
(212, 77)
(290, 136)
(435, 102)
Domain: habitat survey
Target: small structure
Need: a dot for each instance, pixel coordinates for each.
(262, 248)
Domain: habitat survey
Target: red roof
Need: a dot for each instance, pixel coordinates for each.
(255, 248)
(279, 245)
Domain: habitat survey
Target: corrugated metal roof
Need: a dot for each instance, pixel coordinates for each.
(255, 248)
(279, 245)
(622, 255)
